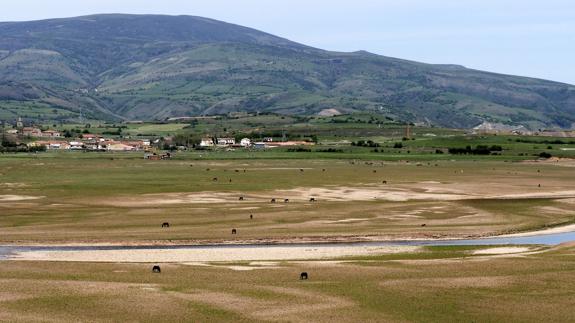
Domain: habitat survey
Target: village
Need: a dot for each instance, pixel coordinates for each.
(35, 138)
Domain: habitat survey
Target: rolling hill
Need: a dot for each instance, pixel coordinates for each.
(152, 67)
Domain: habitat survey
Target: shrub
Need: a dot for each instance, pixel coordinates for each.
(479, 150)
(299, 150)
(545, 155)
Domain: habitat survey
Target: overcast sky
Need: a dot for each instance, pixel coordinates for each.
(523, 37)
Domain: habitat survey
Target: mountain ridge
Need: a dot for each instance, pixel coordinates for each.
(152, 67)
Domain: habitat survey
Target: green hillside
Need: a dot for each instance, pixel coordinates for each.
(142, 67)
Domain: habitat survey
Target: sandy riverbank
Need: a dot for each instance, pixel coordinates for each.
(217, 254)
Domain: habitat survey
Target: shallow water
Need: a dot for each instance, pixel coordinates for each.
(543, 239)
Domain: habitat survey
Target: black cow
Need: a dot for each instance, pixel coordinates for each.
(312, 199)
(303, 276)
(286, 201)
(384, 182)
(165, 225)
(241, 198)
(234, 231)
(251, 216)
(156, 269)
(273, 201)
(215, 179)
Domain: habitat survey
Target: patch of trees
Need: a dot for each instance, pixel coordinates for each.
(545, 155)
(117, 132)
(186, 140)
(330, 150)
(363, 143)
(7, 146)
(478, 150)
(22, 149)
(547, 142)
(299, 150)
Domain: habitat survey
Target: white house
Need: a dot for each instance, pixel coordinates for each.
(226, 141)
(207, 142)
(51, 133)
(246, 142)
(76, 145)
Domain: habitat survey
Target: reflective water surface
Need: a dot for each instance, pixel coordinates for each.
(543, 239)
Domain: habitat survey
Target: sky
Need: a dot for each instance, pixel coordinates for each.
(522, 37)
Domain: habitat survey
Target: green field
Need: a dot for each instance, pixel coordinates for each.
(91, 197)
(362, 194)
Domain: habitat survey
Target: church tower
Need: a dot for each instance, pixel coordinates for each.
(19, 123)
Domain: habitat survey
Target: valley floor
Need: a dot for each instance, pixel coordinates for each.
(120, 199)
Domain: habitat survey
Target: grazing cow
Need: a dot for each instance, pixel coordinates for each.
(251, 216)
(384, 182)
(165, 225)
(286, 201)
(273, 201)
(423, 225)
(303, 276)
(301, 169)
(241, 198)
(539, 185)
(374, 171)
(215, 179)
(230, 180)
(312, 199)
(234, 231)
(323, 170)
(207, 169)
(237, 171)
(156, 269)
